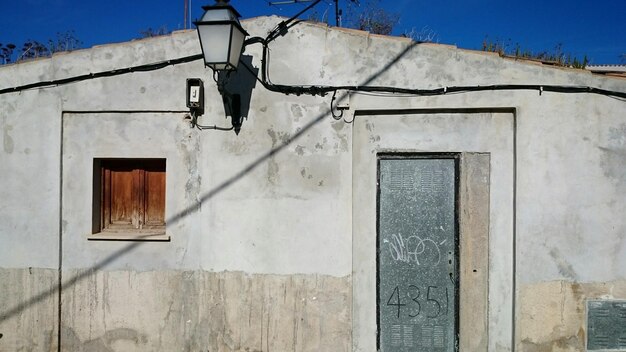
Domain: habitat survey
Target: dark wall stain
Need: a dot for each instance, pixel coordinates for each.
(565, 268)
(612, 162)
(613, 155)
(563, 343)
(71, 342)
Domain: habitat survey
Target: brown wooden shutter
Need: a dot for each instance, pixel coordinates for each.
(133, 194)
(154, 197)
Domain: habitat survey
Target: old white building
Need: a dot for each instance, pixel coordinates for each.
(492, 218)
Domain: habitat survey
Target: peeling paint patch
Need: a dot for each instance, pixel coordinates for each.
(278, 138)
(189, 148)
(237, 146)
(617, 136)
(344, 143)
(437, 74)
(343, 138)
(272, 171)
(296, 111)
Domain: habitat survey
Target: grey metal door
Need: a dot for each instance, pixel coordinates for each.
(417, 250)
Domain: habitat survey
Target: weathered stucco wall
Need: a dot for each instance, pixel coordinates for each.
(200, 311)
(553, 314)
(28, 309)
(269, 232)
(163, 310)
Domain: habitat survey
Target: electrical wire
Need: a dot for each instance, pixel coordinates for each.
(111, 73)
(214, 127)
(315, 89)
(323, 90)
(332, 110)
(284, 25)
(195, 124)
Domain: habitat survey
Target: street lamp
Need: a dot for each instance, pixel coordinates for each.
(222, 40)
(221, 36)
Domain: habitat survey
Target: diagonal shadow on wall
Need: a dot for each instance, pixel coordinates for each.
(286, 142)
(57, 289)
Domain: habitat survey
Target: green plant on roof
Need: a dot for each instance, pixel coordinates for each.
(556, 56)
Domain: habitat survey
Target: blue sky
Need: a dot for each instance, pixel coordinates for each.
(595, 28)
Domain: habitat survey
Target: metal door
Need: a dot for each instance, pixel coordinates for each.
(417, 250)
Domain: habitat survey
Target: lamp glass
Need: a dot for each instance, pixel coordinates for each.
(236, 45)
(221, 37)
(215, 39)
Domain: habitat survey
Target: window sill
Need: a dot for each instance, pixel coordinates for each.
(156, 236)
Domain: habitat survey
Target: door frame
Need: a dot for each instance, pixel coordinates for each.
(485, 139)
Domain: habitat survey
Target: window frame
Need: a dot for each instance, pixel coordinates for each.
(141, 224)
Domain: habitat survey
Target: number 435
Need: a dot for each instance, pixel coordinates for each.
(432, 302)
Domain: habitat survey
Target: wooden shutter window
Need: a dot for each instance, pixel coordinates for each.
(154, 197)
(132, 194)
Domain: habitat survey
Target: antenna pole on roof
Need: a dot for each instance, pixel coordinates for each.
(186, 11)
